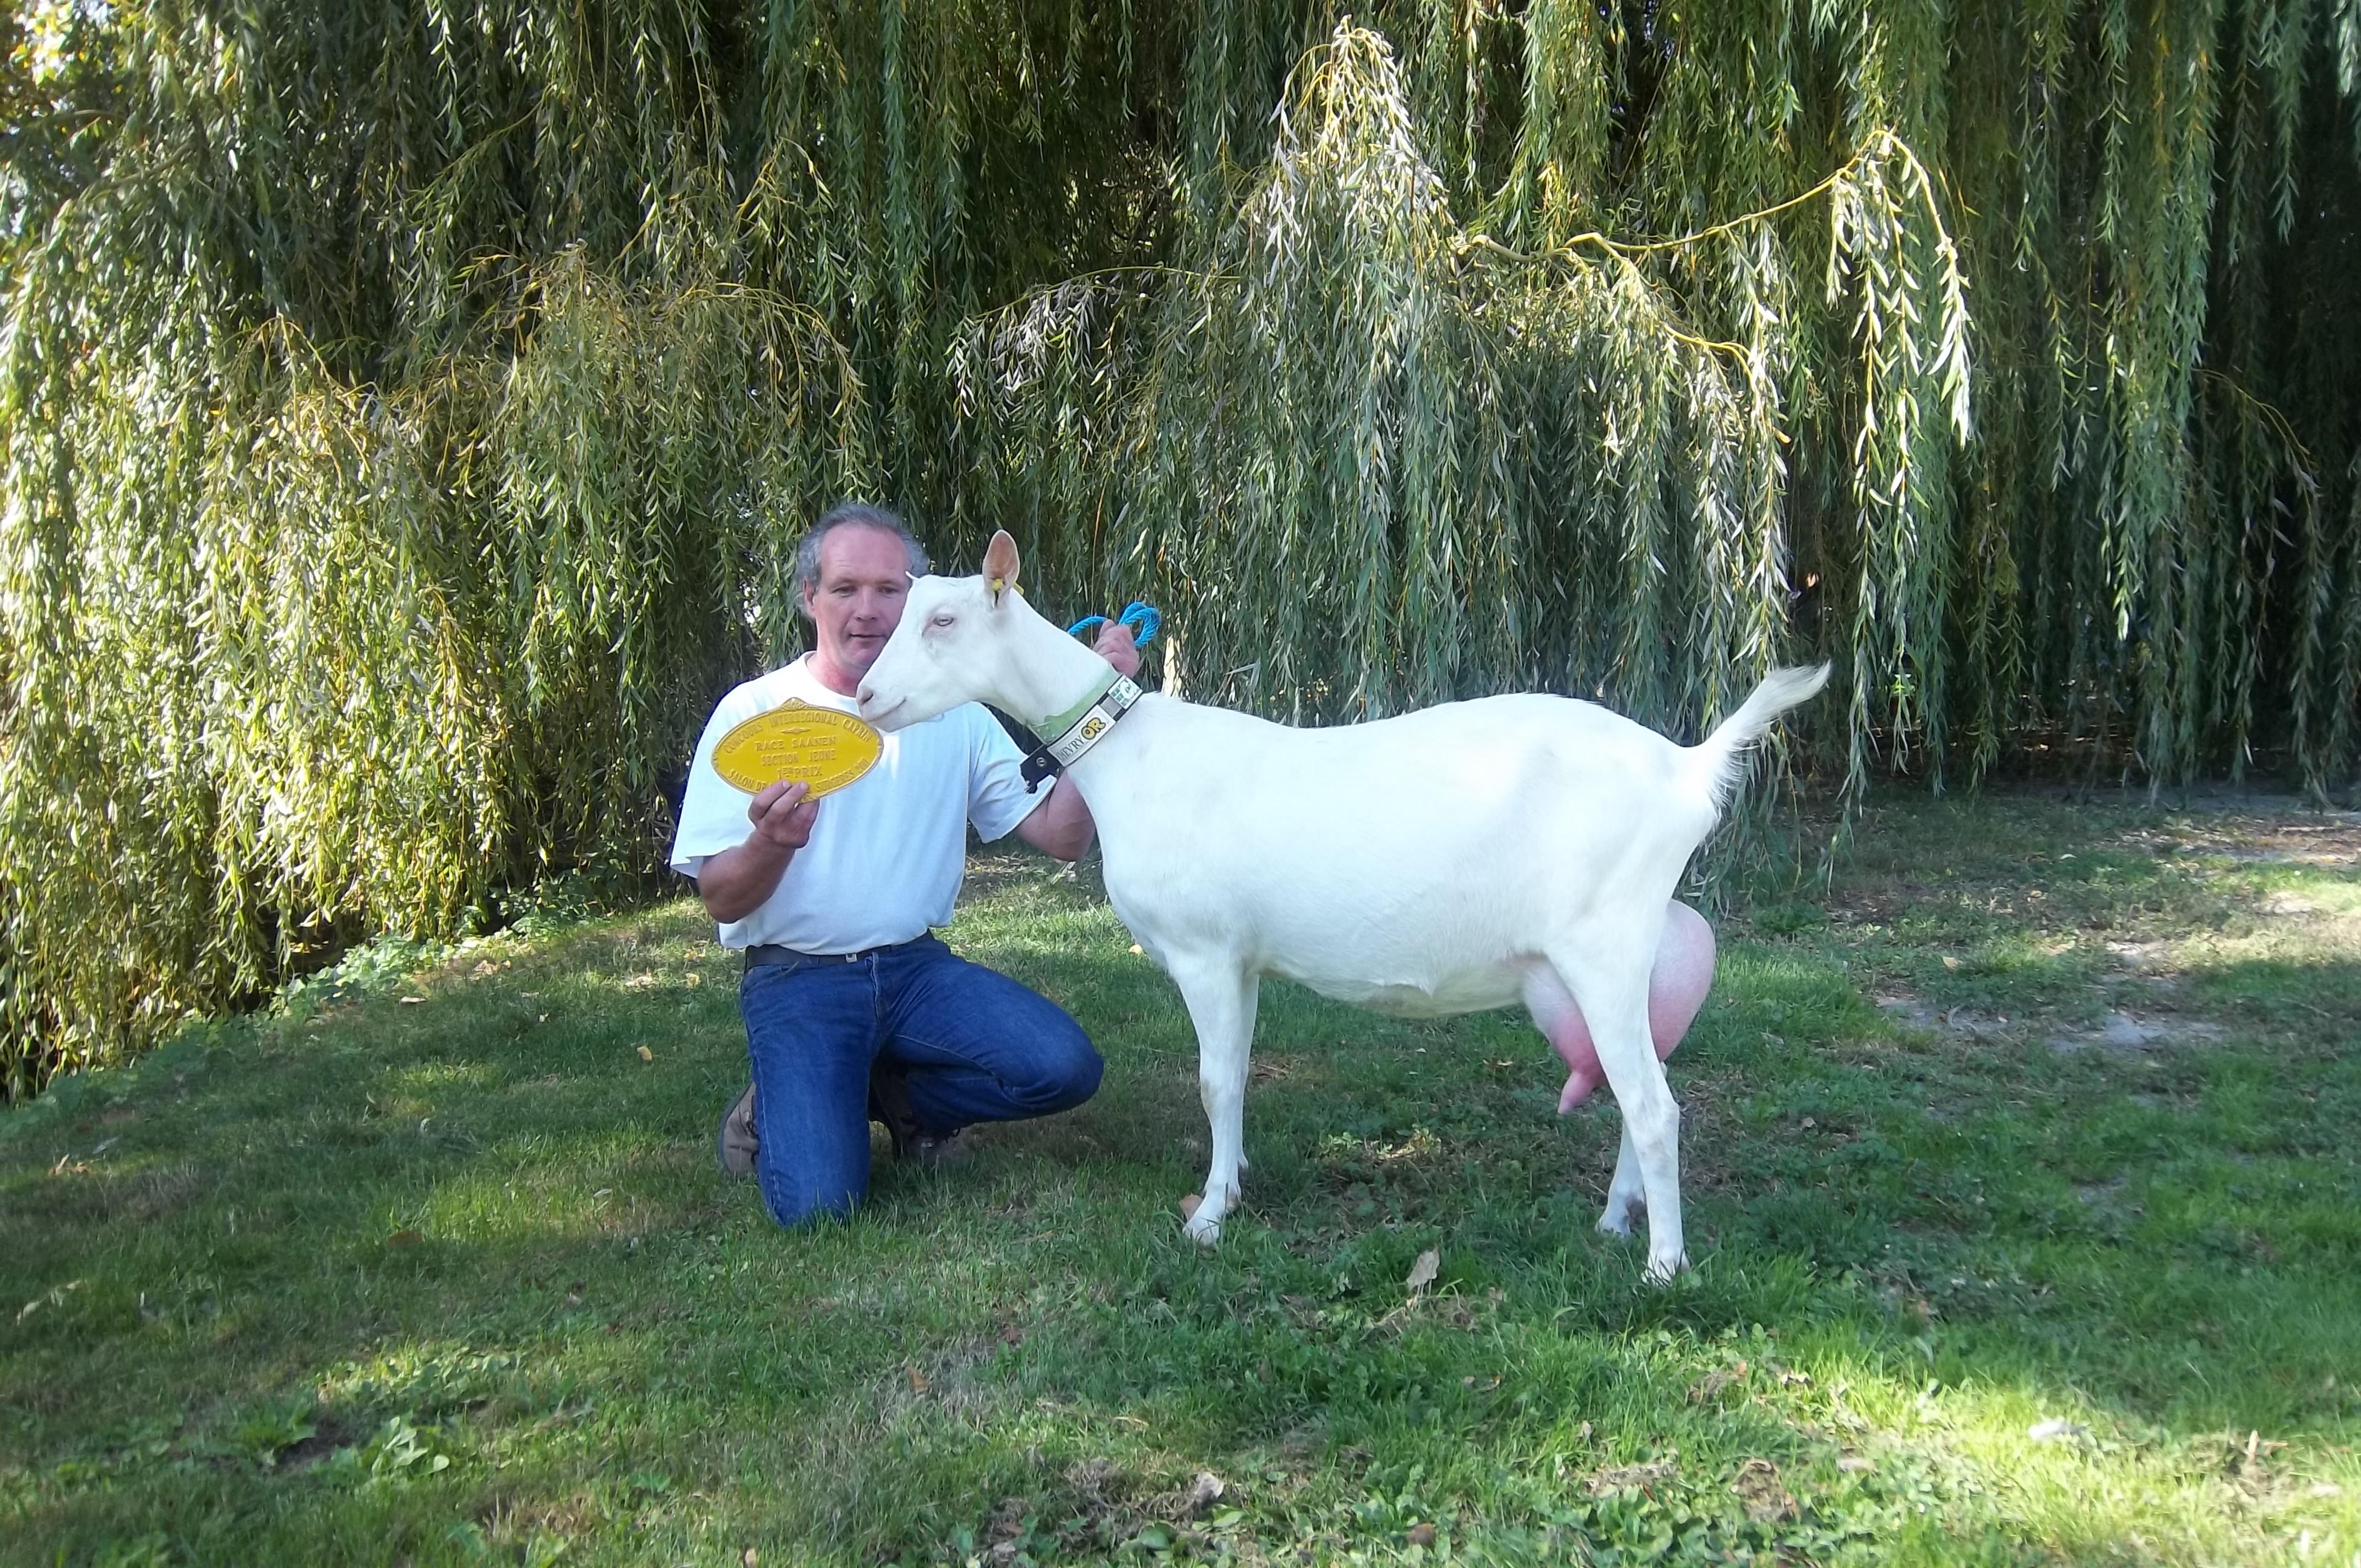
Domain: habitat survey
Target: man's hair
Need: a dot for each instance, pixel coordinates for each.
(866, 516)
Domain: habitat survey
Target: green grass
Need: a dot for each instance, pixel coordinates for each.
(452, 1280)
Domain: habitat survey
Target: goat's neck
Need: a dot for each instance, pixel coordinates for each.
(1063, 679)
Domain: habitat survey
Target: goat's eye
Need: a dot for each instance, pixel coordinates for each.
(946, 619)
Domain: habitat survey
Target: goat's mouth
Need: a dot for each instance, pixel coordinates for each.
(880, 716)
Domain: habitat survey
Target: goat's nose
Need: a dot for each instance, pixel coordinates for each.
(863, 696)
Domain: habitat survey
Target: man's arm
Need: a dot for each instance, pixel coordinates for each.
(1061, 825)
(734, 883)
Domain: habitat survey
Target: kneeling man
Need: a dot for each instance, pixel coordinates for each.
(853, 1009)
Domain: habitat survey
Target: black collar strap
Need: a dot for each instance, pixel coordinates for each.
(1088, 729)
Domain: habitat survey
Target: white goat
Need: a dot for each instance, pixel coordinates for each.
(1464, 857)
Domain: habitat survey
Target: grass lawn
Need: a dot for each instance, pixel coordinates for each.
(2025, 1200)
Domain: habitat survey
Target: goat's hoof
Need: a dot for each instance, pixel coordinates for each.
(1202, 1229)
(1661, 1269)
(1616, 1221)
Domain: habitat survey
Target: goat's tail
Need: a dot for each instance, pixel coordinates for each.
(1722, 756)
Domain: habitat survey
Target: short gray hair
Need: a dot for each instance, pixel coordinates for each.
(866, 516)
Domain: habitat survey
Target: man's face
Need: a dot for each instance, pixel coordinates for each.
(864, 575)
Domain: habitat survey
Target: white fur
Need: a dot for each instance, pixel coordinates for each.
(1463, 857)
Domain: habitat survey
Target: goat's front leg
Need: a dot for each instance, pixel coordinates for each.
(1221, 996)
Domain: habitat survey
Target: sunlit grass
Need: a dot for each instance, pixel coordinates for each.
(453, 1280)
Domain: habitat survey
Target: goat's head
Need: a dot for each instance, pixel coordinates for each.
(974, 639)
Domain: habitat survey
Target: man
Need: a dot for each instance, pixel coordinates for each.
(853, 1008)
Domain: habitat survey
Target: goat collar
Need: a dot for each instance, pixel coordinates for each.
(1079, 729)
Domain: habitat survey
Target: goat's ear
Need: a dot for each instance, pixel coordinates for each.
(1000, 565)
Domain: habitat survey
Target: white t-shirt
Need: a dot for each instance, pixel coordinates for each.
(887, 851)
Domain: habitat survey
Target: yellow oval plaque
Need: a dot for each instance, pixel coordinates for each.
(825, 749)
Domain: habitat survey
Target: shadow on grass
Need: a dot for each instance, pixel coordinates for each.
(435, 1278)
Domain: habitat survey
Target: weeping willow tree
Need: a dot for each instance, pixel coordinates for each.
(407, 411)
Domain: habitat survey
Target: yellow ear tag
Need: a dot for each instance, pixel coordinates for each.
(819, 746)
(998, 584)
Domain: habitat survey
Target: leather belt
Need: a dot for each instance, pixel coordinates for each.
(763, 953)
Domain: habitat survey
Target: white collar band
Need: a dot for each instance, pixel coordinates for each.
(1091, 726)
(1083, 729)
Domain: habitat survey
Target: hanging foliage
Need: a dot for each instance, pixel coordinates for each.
(407, 413)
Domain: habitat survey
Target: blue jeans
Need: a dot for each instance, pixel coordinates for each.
(977, 1046)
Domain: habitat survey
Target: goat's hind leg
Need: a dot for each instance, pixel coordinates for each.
(1609, 980)
(1221, 997)
(1562, 1024)
(1627, 1197)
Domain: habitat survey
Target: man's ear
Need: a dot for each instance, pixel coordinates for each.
(1000, 565)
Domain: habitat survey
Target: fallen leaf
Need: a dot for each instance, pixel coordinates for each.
(1423, 1272)
(2057, 1429)
(1140, 951)
(411, 1001)
(646, 1055)
(1758, 1486)
(56, 1298)
(1854, 1464)
(918, 1381)
(1950, 962)
(1422, 1534)
(749, 1560)
(1203, 1493)
(1634, 1477)
(695, 979)
(404, 1237)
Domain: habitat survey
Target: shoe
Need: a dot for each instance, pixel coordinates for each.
(889, 1101)
(738, 1142)
(930, 1153)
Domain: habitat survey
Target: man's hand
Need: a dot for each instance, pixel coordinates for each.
(1114, 645)
(735, 882)
(783, 814)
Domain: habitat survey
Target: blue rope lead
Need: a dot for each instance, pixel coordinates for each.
(1143, 619)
